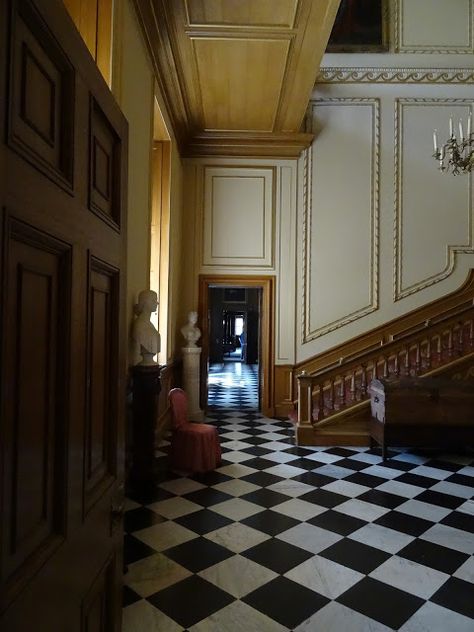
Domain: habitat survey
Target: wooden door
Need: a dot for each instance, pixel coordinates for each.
(63, 155)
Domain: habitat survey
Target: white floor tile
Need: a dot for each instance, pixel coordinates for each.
(423, 510)
(466, 571)
(382, 538)
(236, 508)
(410, 576)
(346, 488)
(335, 617)
(324, 457)
(433, 618)
(237, 457)
(236, 487)
(310, 538)
(164, 535)
(285, 470)
(452, 538)
(360, 509)
(431, 472)
(153, 573)
(238, 575)
(291, 488)
(181, 486)
(324, 576)
(400, 489)
(299, 509)
(382, 472)
(237, 537)
(281, 457)
(141, 615)
(236, 470)
(174, 507)
(462, 491)
(237, 617)
(334, 471)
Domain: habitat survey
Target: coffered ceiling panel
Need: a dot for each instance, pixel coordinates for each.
(237, 74)
(240, 82)
(264, 13)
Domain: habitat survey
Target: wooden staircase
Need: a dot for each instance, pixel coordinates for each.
(438, 339)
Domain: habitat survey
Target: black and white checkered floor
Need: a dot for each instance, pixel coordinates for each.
(306, 539)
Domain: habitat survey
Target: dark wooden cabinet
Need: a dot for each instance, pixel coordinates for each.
(424, 412)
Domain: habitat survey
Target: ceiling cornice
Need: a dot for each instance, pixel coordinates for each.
(237, 89)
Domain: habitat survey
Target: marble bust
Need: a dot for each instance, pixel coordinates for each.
(190, 331)
(145, 336)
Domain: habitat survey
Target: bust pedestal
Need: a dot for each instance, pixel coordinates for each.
(146, 388)
(191, 364)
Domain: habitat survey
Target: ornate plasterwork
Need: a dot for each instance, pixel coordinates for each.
(307, 333)
(395, 75)
(452, 251)
(443, 49)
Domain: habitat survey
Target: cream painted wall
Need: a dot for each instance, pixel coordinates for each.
(380, 230)
(133, 86)
(240, 218)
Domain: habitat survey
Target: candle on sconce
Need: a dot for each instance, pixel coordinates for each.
(435, 141)
(469, 119)
(450, 127)
(461, 131)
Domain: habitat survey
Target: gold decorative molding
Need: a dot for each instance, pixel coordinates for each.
(307, 334)
(451, 250)
(265, 261)
(395, 75)
(247, 144)
(432, 49)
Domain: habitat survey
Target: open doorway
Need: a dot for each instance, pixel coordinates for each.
(236, 314)
(234, 347)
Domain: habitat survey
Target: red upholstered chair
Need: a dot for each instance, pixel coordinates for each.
(194, 447)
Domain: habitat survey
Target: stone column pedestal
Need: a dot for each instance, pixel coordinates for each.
(191, 365)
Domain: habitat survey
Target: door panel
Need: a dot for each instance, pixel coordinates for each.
(63, 336)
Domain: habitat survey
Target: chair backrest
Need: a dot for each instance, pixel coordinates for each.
(179, 407)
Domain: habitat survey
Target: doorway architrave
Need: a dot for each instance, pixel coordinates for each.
(267, 285)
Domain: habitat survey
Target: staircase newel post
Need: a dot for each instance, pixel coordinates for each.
(304, 426)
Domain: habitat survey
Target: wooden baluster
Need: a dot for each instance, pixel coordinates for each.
(471, 333)
(406, 364)
(460, 348)
(363, 381)
(385, 366)
(396, 367)
(428, 353)
(417, 358)
(321, 402)
(343, 391)
(353, 386)
(450, 343)
(332, 399)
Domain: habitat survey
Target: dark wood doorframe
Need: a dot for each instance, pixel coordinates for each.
(267, 286)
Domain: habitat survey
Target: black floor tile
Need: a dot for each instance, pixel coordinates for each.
(459, 520)
(270, 522)
(304, 464)
(140, 518)
(444, 465)
(203, 521)
(148, 495)
(352, 464)
(207, 497)
(367, 480)
(263, 479)
(433, 555)
(442, 500)
(134, 550)
(285, 601)
(415, 479)
(277, 555)
(190, 600)
(411, 525)
(265, 497)
(312, 478)
(355, 555)
(461, 479)
(456, 595)
(198, 554)
(256, 450)
(383, 499)
(129, 596)
(386, 604)
(344, 452)
(337, 522)
(324, 498)
(260, 463)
